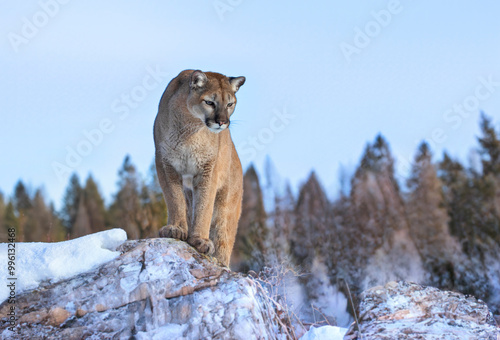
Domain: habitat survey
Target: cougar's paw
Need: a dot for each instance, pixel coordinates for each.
(203, 245)
(171, 231)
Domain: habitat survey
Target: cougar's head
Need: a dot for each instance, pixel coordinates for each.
(212, 98)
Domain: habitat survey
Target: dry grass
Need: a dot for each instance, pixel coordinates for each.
(351, 333)
(272, 284)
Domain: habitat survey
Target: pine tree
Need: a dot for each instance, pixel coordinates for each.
(312, 219)
(23, 207)
(125, 211)
(250, 250)
(22, 200)
(71, 203)
(153, 207)
(39, 222)
(82, 226)
(375, 197)
(455, 186)
(429, 221)
(57, 232)
(488, 183)
(378, 159)
(380, 232)
(347, 259)
(94, 205)
(462, 204)
(466, 196)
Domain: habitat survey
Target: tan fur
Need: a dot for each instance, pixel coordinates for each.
(198, 168)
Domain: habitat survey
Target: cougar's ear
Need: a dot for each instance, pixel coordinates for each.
(198, 80)
(236, 82)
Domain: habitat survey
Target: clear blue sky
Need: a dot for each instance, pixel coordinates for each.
(343, 76)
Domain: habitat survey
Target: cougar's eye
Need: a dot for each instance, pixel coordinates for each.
(230, 104)
(208, 102)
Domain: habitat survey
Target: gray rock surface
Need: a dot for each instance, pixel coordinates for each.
(157, 289)
(402, 310)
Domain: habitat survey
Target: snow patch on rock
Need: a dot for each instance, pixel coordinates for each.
(324, 333)
(39, 261)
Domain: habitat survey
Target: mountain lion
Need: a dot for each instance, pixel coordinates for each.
(198, 168)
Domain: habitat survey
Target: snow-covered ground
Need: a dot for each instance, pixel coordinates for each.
(324, 333)
(38, 261)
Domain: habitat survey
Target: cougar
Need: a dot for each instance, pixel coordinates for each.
(198, 168)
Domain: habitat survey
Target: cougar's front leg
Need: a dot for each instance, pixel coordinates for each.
(173, 192)
(204, 190)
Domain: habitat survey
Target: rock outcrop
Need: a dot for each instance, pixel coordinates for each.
(165, 289)
(157, 289)
(402, 311)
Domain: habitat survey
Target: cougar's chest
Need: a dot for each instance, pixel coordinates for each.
(190, 155)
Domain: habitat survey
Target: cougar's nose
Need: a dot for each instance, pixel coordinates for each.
(221, 121)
